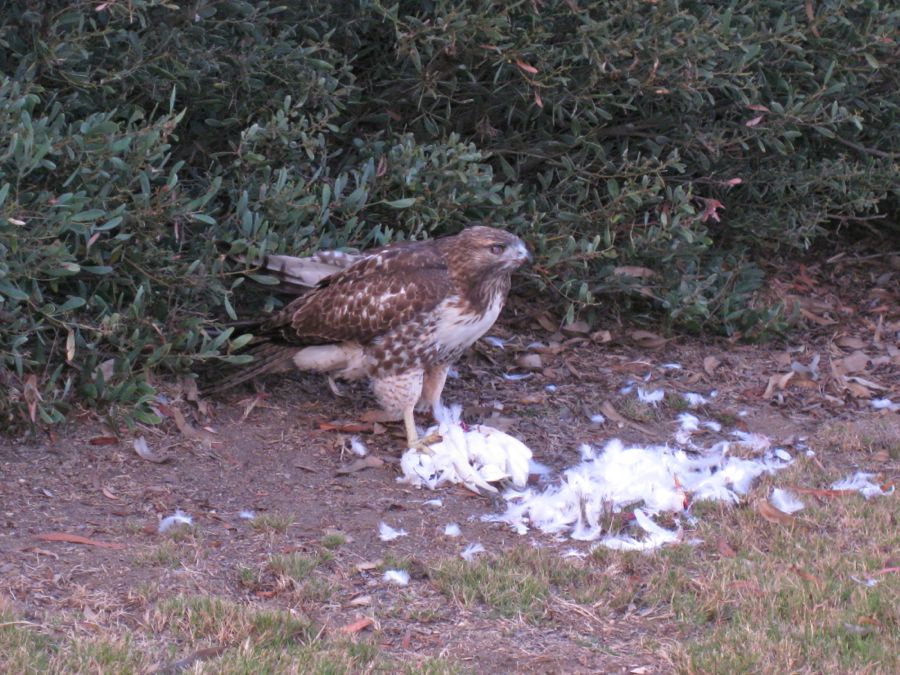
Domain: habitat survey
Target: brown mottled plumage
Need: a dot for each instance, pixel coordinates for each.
(399, 315)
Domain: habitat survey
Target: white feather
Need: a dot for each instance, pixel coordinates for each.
(859, 482)
(388, 533)
(694, 400)
(468, 554)
(785, 501)
(659, 477)
(179, 518)
(452, 530)
(474, 457)
(885, 404)
(651, 397)
(358, 447)
(397, 577)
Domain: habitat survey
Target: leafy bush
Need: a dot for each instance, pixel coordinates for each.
(650, 152)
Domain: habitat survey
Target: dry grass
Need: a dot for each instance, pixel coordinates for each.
(869, 435)
(202, 634)
(764, 597)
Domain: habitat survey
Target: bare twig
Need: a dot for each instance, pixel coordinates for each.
(867, 151)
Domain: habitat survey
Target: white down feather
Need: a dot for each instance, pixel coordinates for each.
(474, 457)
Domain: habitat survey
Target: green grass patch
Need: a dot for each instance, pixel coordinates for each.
(227, 638)
(272, 522)
(24, 648)
(299, 572)
(333, 541)
(520, 583)
(205, 618)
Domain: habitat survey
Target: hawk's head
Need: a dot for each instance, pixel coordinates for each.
(481, 260)
(489, 250)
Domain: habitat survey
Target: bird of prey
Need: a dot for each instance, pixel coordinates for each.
(398, 315)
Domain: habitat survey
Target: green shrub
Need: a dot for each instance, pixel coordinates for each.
(649, 151)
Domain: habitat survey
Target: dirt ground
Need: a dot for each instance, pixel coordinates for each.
(280, 454)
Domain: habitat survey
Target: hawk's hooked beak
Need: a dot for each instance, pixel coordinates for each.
(521, 253)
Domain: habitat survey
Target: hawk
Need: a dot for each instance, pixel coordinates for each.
(398, 316)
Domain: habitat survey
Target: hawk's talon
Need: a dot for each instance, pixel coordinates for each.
(424, 444)
(336, 389)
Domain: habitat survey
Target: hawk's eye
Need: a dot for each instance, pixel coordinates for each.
(497, 249)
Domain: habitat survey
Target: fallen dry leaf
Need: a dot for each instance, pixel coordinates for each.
(361, 601)
(546, 322)
(530, 362)
(249, 406)
(857, 390)
(103, 440)
(367, 462)
(773, 515)
(778, 381)
(815, 318)
(614, 415)
(725, 549)
(710, 363)
(821, 492)
(367, 566)
(347, 427)
(144, 451)
(107, 369)
(356, 626)
(866, 383)
(109, 494)
(601, 336)
(647, 340)
(850, 342)
(188, 430)
(806, 576)
(856, 362)
(76, 539)
(191, 393)
(32, 396)
(577, 328)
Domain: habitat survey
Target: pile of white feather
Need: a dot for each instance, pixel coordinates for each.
(652, 479)
(475, 456)
(656, 478)
(660, 478)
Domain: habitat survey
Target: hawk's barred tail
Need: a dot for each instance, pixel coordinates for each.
(268, 358)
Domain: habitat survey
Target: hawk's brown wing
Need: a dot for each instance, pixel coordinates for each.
(369, 298)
